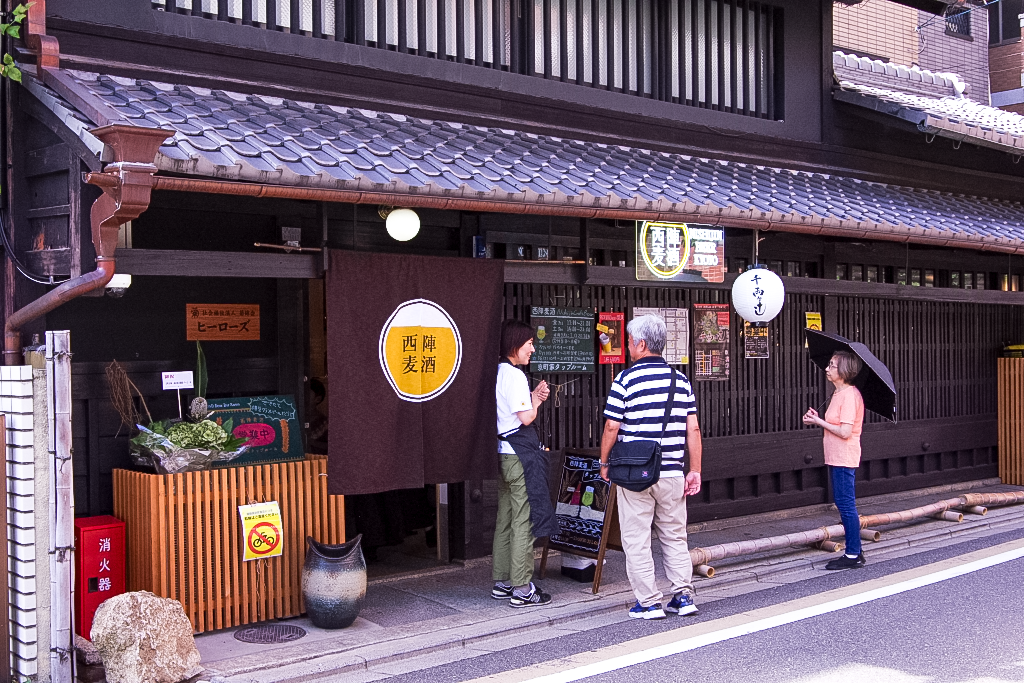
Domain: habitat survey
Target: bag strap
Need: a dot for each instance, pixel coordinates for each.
(668, 406)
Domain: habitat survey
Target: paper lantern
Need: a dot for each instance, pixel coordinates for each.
(758, 295)
(403, 224)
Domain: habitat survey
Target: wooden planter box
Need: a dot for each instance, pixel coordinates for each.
(1011, 420)
(184, 538)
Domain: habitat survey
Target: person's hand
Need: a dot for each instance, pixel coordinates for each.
(692, 483)
(811, 417)
(604, 471)
(541, 392)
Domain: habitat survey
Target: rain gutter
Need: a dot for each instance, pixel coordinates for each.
(571, 207)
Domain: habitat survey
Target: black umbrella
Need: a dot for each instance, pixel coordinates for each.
(874, 380)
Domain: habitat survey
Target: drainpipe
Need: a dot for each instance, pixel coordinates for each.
(126, 184)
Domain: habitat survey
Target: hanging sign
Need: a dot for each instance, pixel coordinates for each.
(755, 341)
(564, 340)
(679, 251)
(262, 531)
(611, 338)
(711, 342)
(222, 322)
(677, 324)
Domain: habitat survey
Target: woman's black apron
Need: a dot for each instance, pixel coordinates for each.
(534, 458)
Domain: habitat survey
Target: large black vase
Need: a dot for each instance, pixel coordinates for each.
(334, 582)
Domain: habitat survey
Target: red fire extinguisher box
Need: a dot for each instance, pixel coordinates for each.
(99, 566)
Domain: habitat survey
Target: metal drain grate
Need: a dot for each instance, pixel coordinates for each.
(268, 634)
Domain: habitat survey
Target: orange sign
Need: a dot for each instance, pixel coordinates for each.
(222, 322)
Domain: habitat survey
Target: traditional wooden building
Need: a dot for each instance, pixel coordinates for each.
(540, 132)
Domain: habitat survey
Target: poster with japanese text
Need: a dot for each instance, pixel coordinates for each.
(677, 323)
(812, 322)
(270, 423)
(564, 339)
(755, 341)
(611, 338)
(222, 322)
(711, 341)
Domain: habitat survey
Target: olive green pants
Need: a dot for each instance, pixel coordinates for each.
(513, 534)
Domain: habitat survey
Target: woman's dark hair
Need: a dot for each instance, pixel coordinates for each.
(514, 333)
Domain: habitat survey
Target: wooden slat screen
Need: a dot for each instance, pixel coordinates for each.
(184, 538)
(714, 54)
(1011, 420)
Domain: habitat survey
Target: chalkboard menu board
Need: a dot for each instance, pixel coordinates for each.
(564, 341)
(271, 423)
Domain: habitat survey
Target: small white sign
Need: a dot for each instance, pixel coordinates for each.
(177, 380)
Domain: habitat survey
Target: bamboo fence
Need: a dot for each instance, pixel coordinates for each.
(1011, 420)
(185, 540)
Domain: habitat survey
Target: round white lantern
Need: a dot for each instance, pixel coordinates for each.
(758, 295)
(403, 224)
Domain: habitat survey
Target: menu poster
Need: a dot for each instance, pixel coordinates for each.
(565, 339)
(611, 338)
(755, 341)
(582, 503)
(271, 423)
(677, 321)
(711, 342)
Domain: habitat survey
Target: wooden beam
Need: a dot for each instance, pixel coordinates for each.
(218, 264)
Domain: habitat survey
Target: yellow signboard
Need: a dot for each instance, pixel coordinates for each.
(813, 322)
(262, 531)
(420, 350)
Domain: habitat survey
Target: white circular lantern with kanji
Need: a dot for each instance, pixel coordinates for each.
(758, 295)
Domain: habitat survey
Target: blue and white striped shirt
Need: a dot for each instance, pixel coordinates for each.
(637, 400)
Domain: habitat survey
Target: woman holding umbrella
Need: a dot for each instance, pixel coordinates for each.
(843, 423)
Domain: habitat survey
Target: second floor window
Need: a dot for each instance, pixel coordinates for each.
(958, 22)
(1003, 24)
(715, 54)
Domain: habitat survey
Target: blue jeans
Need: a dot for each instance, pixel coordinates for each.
(846, 501)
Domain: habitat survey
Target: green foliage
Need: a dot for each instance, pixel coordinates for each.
(201, 378)
(12, 28)
(206, 435)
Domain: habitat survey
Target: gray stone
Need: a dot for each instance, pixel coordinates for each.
(86, 651)
(145, 639)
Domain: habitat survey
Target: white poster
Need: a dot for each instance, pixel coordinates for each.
(677, 320)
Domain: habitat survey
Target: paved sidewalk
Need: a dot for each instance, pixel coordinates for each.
(413, 622)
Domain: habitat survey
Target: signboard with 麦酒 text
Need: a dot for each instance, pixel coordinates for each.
(564, 340)
(222, 322)
(679, 252)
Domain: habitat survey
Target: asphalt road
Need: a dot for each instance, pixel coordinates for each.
(968, 629)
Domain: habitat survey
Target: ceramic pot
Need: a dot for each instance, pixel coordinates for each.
(334, 582)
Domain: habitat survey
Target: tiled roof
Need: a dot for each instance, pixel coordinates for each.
(933, 102)
(220, 134)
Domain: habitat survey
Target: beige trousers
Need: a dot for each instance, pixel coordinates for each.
(663, 506)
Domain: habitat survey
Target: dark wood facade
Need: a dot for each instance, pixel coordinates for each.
(940, 342)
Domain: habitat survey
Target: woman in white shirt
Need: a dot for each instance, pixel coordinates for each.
(524, 500)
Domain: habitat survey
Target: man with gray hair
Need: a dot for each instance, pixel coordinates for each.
(636, 409)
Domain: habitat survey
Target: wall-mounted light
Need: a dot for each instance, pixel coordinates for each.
(758, 295)
(402, 224)
(118, 285)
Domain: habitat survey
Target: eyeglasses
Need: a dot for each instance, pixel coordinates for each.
(832, 366)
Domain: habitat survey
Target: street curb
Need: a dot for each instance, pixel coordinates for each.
(342, 659)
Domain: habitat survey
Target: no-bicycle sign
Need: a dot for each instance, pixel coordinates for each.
(261, 530)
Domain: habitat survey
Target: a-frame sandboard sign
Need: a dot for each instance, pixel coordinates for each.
(585, 507)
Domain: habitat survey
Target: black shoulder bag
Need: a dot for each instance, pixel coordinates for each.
(636, 465)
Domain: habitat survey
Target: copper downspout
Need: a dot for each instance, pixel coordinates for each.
(817, 226)
(126, 184)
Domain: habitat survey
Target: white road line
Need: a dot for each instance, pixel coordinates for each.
(692, 643)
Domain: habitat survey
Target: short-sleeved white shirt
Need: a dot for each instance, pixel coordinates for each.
(513, 394)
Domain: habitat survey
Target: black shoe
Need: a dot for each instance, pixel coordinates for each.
(536, 597)
(845, 562)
